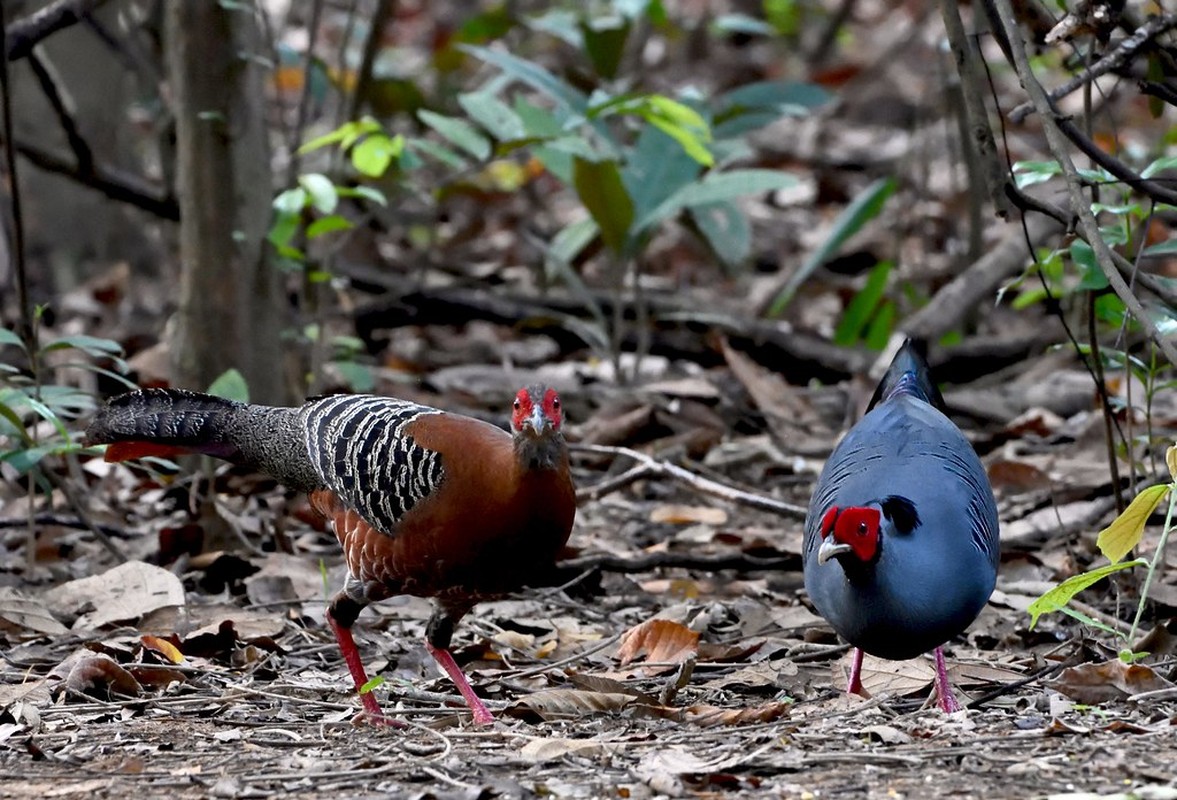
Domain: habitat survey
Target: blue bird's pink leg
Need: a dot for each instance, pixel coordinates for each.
(854, 685)
(944, 694)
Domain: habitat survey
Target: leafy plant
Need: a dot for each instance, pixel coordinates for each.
(1115, 542)
(34, 415)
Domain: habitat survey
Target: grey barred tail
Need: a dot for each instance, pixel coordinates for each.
(265, 438)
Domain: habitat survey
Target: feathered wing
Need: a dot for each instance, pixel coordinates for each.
(363, 451)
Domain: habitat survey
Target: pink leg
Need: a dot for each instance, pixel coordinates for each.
(944, 693)
(446, 660)
(854, 686)
(351, 654)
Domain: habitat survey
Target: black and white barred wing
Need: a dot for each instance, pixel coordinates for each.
(361, 448)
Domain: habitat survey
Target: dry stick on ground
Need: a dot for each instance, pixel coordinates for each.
(1079, 204)
(652, 467)
(1112, 60)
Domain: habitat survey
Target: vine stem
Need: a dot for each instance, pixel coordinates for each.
(1155, 562)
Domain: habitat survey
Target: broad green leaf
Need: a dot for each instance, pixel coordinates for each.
(283, 230)
(344, 135)
(230, 385)
(291, 201)
(494, 115)
(441, 153)
(321, 191)
(372, 683)
(861, 308)
(1057, 598)
(864, 208)
(1171, 461)
(656, 169)
(1166, 248)
(1117, 539)
(365, 193)
(1028, 173)
(1167, 162)
(726, 230)
(534, 76)
(878, 333)
(10, 337)
(90, 345)
(1092, 276)
(601, 190)
(604, 41)
(458, 132)
(678, 113)
(716, 188)
(330, 224)
(373, 156)
(357, 376)
(691, 143)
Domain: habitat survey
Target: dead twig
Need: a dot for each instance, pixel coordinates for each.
(652, 467)
(1112, 60)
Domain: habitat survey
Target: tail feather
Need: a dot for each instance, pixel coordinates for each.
(165, 422)
(909, 374)
(172, 422)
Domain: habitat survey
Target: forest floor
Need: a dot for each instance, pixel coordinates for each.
(706, 676)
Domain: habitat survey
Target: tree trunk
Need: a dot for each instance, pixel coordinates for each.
(231, 306)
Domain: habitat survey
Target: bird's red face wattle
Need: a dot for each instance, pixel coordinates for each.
(538, 410)
(848, 530)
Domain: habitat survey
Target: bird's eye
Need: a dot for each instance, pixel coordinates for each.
(555, 402)
(517, 404)
(862, 529)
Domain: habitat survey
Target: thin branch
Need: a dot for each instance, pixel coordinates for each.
(28, 330)
(651, 561)
(1154, 189)
(304, 101)
(984, 148)
(652, 467)
(114, 183)
(25, 34)
(61, 104)
(383, 12)
(1079, 204)
(1112, 60)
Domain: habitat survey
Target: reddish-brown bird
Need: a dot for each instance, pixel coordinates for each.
(424, 502)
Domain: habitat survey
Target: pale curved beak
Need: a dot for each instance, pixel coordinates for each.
(831, 549)
(538, 423)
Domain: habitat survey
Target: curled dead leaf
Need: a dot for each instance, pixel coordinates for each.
(662, 641)
(98, 675)
(1107, 681)
(570, 703)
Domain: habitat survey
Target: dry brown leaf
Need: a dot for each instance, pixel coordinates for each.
(539, 751)
(688, 515)
(1107, 681)
(26, 613)
(571, 703)
(661, 640)
(123, 593)
(1016, 476)
(163, 648)
(707, 716)
(99, 675)
(765, 675)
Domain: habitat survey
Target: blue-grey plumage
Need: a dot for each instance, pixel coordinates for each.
(901, 539)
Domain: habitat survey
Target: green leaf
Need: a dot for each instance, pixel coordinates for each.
(1028, 173)
(726, 230)
(330, 224)
(230, 385)
(90, 345)
(283, 230)
(494, 115)
(459, 132)
(373, 155)
(656, 169)
(604, 41)
(441, 153)
(878, 333)
(10, 337)
(534, 76)
(363, 193)
(717, 188)
(864, 208)
(1163, 163)
(1057, 598)
(1092, 276)
(321, 191)
(373, 683)
(1166, 248)
(600, 188)
(344, 135)
(690, 141)
(291, 202)
(861, 308)
(1117, 539)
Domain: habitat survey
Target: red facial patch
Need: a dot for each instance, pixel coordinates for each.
(859, 528)
(552, 408)
(827, 522)
(521, 409)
